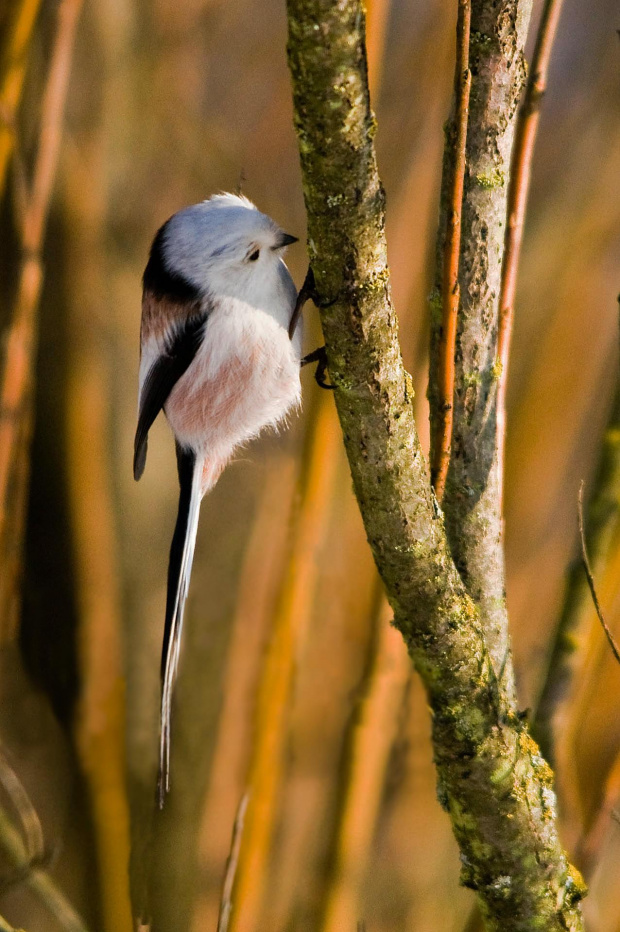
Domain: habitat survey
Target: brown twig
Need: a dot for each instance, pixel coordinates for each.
(520, 174)
(15, 387)
(13, 535)
(99, 722)
(13, 62)
(451, 251)
(231, 866)
(590, 578)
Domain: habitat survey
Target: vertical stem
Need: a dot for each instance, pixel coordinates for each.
(16, 384)
(377, 15)
(100, 718)
(450, 292)
(520, 176)
(13, 62)
(277, 675)
(471, 499)
(15, 431)
(264, 564)
(566, 655)
(371, 740)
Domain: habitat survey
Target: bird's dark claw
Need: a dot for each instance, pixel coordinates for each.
(307, 292)
(319, 356)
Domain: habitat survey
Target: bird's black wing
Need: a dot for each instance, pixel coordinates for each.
(161, 379)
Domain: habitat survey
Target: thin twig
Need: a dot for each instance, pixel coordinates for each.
(13, 62)
(53, 108)
(99, 725)
(38, 880)
(520, 175)
(15, 408)
(291, 619)
(451, 251)
(377, 15)
(590, 578)
(263, 566)
(589, 846)
(5, 927)
(231, 865)
(368, 745)
(21, 802)
(568, 647)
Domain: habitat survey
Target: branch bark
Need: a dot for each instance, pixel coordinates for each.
(472, 499)
(492, 779)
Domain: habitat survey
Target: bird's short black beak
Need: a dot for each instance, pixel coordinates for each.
(285, 239)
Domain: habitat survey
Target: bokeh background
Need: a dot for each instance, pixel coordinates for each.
(292, 682)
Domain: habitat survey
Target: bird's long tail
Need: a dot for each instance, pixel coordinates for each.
(179, 570)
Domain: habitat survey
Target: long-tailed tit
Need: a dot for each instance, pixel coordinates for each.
(217, 356)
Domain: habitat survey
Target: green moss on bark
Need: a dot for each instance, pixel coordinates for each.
(472, 500)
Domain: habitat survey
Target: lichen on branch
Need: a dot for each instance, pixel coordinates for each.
(492, 779)
(473, 495)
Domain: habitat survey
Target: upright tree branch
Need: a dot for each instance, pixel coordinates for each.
(471, 501)
(520, 174)
(492, 780)
(450, 291)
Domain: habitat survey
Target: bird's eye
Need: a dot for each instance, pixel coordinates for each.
(255, 255)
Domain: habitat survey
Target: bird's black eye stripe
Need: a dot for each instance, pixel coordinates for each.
(254, 256)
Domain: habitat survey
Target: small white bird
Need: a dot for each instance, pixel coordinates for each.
(220, 353)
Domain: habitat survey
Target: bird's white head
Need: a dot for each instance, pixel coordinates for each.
(224, 245)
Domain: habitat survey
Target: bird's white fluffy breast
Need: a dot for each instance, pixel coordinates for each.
(245, 377)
